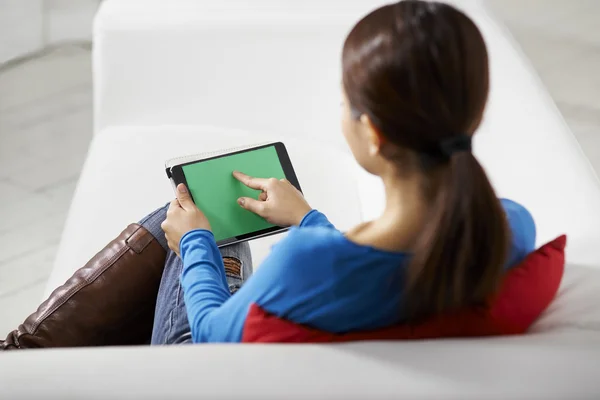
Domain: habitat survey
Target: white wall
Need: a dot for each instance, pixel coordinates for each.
(30, 25)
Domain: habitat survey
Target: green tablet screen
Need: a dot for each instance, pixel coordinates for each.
(215, 191)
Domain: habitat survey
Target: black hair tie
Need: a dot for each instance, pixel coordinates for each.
(455, 144)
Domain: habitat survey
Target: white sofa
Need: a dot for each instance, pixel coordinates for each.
(185, 76)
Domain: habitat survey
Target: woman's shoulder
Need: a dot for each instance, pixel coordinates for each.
(300, 262)
(512, 206)
(326, 246)
(523, 230)
(518, 216)
(315, 245)
(313, 238)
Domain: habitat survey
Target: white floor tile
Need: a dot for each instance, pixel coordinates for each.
(68, 136)
(45, 77)
(10, 193)
(20, 28)
(29, 117)
(545, 14)
(577, 81)
(17, 306)
(585, 123)
(581, 24)
(31, 237)
(70, 19)
(548, 52)
(579, 114)
(22, 272)
(57, 154)
(15, 160)
(61, 195)
(589, 138)
(26, 211)
(54, 171)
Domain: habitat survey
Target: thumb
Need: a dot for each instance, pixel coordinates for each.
(184, 198)
(257, 207)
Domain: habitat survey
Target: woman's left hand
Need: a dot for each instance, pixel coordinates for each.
(183, 216)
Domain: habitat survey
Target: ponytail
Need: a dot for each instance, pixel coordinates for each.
(419, 71)
(460, 253)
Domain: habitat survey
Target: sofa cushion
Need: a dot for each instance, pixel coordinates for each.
(525, 293)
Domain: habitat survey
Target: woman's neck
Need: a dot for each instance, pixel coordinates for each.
(402, 218)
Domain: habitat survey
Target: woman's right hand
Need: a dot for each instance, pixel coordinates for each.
(280, 203)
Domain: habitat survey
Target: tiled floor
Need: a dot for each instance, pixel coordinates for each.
(30, 25)
(45, 128)
(562, 40)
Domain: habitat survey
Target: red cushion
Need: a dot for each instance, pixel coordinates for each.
(525, 293)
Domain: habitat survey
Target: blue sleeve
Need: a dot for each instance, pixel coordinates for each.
(296, 278)
(316, 218)
(289, 280)
(522, 229)
(204, 284)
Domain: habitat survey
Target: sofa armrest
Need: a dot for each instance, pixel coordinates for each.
(533, 366)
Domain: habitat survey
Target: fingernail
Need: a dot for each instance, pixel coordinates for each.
(241, 201)
(182, 188)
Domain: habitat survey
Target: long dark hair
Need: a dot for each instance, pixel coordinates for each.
(419, 71)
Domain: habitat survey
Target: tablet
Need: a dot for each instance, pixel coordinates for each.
(215, 191)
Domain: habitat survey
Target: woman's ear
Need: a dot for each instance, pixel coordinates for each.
(374, 138)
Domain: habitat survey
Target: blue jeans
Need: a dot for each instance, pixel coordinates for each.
(171, 324)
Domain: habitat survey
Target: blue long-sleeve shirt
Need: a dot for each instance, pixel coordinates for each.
(315, 276)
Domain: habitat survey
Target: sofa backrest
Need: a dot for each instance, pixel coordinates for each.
(274, 66)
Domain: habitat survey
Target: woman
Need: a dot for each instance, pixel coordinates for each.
(415, 85)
